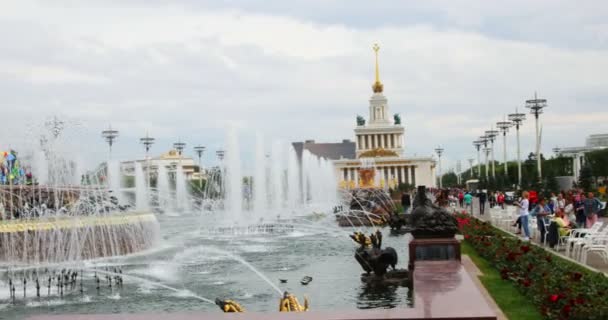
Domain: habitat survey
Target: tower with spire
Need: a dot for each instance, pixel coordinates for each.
(380, 143)
(382, 134)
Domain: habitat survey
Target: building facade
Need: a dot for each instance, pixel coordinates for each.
(592, 143)
(170, 160)
(380, 144)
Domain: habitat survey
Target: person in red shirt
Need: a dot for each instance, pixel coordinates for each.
(500, 199)
(461, 198)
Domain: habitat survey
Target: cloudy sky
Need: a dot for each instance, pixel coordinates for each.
(300, 69)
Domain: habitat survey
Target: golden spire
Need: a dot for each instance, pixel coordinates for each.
(377, 87)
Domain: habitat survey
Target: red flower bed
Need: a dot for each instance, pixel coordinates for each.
(559, 288)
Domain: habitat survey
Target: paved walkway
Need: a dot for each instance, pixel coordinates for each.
(594, 262)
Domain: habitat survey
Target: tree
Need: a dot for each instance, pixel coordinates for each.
(585, 178)
(449, 180)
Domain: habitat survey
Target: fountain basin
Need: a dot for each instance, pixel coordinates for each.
(58, 239)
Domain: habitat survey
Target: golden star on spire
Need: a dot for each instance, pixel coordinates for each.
(377, 86)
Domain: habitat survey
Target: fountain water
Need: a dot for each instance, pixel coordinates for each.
(181, 189)
(141, 190)
(260, 203)
(114, 180)
(162, 185)
(233, 177)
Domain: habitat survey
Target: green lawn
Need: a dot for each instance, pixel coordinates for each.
(512, 303)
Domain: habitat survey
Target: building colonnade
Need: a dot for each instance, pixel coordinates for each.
(379, 140)
(402, 174)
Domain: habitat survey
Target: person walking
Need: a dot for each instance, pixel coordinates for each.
(524, 213)
(468, 202)
(541, 211)
(591, 207)
(483, 197)
(461, 198)
(579, 205)
(500, 198)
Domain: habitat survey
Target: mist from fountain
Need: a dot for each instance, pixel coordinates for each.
(260, 196)
(141, 189)
(181, 189)
(114, 180)
(164, 194)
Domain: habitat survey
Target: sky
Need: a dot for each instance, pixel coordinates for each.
(295, 70)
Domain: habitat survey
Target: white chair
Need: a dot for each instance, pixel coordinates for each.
(576, 235)
(599, 245)
(588, 240)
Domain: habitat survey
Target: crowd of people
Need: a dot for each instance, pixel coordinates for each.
(562, 211)
(11, 170)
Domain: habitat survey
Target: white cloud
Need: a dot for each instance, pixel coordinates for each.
(188, 71)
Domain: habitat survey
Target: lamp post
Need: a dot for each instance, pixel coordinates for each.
(147, 141)
(536, 107)
(484, 140)
(491, 134)
(458, 170)
(478, 144)
(504, 128)
(439, 151)
(199, 151)
(471, 160)
(110, 135)
(517, 118)
(220, 154)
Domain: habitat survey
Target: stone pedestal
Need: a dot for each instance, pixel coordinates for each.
(433, 249)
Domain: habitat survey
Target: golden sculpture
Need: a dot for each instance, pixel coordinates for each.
(378, 86)
(289, 303)
(378, 152)
(229, 306)
(367, 177)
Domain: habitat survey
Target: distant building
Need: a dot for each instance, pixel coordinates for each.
(331, 151)
(592, 143)
(380, 144)
(170, 160)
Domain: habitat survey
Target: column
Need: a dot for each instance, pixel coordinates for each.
(403, 179)
(356, 177)
(409, 175)
(392, 140)
(382, 141)
(366, 138)
(344, 177)
(375, 141)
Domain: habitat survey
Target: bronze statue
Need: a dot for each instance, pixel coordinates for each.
(397, 118)
(360, 121)
(429, 220)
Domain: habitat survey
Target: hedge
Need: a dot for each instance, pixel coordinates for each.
(559, 288)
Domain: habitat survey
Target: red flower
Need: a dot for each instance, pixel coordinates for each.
(548, 258)
(527, 283)
(466, 236)
(525, 249)
(554, 298)
(566, 309)
(580, 300)
(577, 276)
(512, 256)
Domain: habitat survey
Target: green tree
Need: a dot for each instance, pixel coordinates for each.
(449, 180)
(585, 178)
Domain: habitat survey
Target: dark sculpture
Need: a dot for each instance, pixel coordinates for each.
(371, 256)
(397, 118)
(431, 221)
(360, 121)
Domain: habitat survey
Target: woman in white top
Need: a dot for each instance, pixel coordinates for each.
(523, 213)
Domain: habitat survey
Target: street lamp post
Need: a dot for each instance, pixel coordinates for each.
(517, 118)
(536, 107)
(484, 140)
(504, 128)
(471, 160)
(110, 135)
(220, 155)
(147, 141)
(478, 144)
(439, 151)
(179, 146)
(491, 134)
(199, 151)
